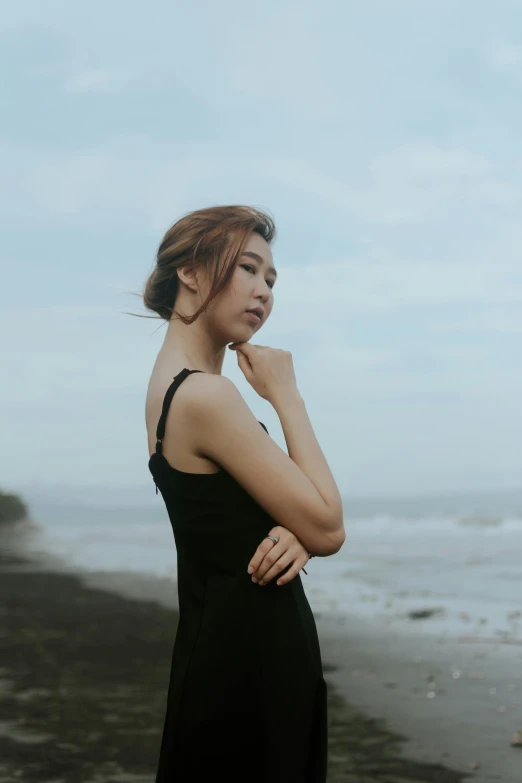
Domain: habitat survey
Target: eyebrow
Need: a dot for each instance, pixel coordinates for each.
(251, 254)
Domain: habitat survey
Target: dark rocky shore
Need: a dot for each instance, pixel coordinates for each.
(84, 676)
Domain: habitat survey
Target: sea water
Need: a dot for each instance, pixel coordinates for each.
(449, 566)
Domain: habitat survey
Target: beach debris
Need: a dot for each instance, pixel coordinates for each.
(473, 764)
(455, 674)
(476, 675)
(516, 739)
(501, 709)
(431, 695)
(424, 614)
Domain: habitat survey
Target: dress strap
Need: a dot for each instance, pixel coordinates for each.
(160, 430)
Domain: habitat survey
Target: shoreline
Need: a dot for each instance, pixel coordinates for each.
(85, 674)
(401, 678)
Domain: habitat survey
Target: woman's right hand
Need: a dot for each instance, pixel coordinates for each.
(270, 559)
(269, 371)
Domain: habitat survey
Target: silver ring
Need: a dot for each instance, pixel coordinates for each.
(274, 538)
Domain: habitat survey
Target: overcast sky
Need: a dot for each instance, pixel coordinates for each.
(385, 139)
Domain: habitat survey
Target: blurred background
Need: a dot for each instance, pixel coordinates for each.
(384, 138)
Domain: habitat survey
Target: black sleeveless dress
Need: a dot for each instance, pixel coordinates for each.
(246, 698)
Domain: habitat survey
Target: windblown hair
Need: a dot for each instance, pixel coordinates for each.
(213, 238)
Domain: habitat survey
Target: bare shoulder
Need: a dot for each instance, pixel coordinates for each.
(215, 400)
(225, 430)
(214, 396)
(210, 388)
(199, 387)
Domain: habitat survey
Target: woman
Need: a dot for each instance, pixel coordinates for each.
(246, 698)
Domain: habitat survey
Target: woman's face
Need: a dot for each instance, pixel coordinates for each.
(250, 287)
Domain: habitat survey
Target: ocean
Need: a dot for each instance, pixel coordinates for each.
(448, 564)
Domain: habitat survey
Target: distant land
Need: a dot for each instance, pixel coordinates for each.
(12, 508)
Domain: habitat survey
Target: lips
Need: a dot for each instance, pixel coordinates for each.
(253, 316)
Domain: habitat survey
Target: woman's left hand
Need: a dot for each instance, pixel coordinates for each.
(270, 559)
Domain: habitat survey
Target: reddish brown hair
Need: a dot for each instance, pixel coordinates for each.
(212, 238)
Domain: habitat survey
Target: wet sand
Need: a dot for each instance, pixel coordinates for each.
(84, 674)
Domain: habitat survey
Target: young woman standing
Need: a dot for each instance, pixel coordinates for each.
(246, 698)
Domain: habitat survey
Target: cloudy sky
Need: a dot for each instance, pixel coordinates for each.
(383, 136)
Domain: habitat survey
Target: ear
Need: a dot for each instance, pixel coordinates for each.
(189, 277)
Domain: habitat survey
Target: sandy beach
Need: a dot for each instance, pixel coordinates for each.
(85, 665)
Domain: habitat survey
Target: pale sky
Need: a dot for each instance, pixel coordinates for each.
(385, 139)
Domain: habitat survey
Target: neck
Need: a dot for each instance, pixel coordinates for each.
(193, 346)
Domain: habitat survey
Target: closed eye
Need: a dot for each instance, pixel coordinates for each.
(249, 266)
